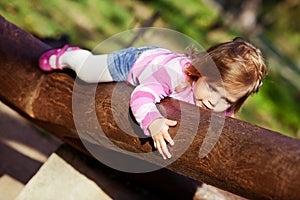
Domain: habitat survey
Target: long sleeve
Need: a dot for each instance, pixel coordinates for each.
(146, 95)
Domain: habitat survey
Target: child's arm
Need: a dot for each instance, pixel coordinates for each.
(142, 102)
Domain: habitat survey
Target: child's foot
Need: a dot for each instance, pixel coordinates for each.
(49, 60)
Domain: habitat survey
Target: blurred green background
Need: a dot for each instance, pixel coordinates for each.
(271, 25)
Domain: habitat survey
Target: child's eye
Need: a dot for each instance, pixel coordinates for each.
(212, 89)
(227, 100)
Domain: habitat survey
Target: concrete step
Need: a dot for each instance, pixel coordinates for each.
(9, 187)
(69, 174)
(57, 179)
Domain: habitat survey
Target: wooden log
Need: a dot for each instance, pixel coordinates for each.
(247, 160)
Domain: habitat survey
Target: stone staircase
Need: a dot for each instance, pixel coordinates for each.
(68, 180)
(57, 179)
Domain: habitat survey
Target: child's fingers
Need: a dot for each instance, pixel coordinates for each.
(160, 150)
(164, 148)
(168, 138)
(161, 146)
(162, 137)
(170, 122)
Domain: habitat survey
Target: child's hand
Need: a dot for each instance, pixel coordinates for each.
(162, 135)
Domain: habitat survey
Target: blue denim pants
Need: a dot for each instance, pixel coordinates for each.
(120, 62)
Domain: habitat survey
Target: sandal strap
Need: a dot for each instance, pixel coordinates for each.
(62, 51)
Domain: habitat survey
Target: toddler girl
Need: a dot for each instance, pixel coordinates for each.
(220, 79)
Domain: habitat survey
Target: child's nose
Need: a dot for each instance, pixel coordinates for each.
(215, 98)
(220, 107)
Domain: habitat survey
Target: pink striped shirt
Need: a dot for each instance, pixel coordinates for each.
(156, 74)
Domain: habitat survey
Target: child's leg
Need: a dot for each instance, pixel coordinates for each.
(88, 67)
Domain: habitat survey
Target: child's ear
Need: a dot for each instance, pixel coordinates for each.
(192, 71)
(229, 112)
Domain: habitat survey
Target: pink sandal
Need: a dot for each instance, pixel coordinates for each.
(44, 60)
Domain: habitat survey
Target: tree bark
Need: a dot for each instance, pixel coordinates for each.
(246, 160)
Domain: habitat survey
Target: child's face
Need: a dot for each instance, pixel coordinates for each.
(211, 96)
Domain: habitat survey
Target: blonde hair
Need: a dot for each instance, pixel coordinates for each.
(239, 64)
